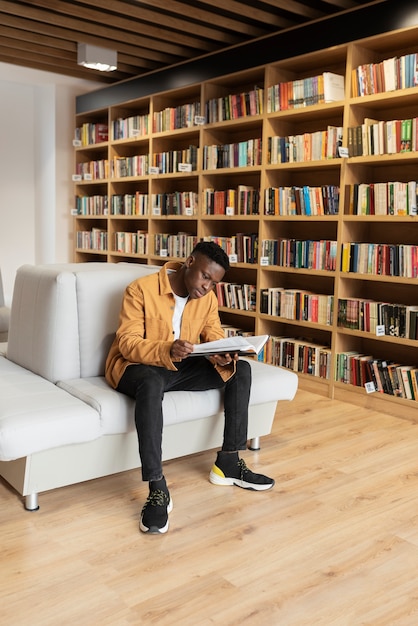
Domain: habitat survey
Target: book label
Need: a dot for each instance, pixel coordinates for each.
(185, 167)
(154, 170)
(233, 258)
(380, 330)
(229, 210)
(164, 252)
(76, 178)
(369, 387)
(88, 176)
(156, 210)
(77, 143)
(199, 120)
(264, 260)
(343, 152)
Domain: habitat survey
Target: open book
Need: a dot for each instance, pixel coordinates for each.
(244, 346)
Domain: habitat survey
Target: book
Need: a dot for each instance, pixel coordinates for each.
(243, 346)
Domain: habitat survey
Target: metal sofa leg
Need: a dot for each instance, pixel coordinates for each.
(254, 443)
(31, 502)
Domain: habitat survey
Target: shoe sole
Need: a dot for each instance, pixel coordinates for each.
(154, 530)
(215, 479)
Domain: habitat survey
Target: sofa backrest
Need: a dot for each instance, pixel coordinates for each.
(64, 316)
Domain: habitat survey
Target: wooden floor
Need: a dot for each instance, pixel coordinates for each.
(334, 543)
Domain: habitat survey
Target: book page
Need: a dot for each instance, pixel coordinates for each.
(238, 344)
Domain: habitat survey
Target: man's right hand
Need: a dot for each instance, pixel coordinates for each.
(180, 349)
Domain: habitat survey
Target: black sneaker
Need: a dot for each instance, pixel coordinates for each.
(154, 515)
(237, 473)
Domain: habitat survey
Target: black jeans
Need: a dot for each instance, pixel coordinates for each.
(147, 384)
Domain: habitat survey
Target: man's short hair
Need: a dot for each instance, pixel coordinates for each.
(213, 251)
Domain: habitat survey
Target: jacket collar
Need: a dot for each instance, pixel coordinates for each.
(165, 287)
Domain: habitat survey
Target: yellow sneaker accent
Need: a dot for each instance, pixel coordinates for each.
(216, 470)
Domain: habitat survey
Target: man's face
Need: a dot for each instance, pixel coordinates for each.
(201, 275)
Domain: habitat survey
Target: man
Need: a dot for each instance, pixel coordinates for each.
(162, 316)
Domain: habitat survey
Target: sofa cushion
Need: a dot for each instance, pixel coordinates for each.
(99, 308)
(64, 316)
(117, 410)
(36, 415)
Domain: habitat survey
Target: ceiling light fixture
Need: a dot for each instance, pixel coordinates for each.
(96, 58)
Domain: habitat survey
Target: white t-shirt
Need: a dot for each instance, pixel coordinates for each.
(178, 314)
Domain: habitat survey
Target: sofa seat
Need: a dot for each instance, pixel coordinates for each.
(116, 410)
(36, 415)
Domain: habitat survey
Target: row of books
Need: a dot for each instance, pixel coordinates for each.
(129, 204)
(93, 170)
(390, 198)
(387, 75)
(241, 248)
(234, 106)
(245, 200)
(92, 205)
(171, 118)
(394, 320)
(380, 258)
(236, 296)
(131, 127)
(303, 92)
(177, 246)
(300, 254)
(234, 331)
(137, 165)
(172, 160)
(131, 243)
(94, 239)
(241, 154)
(380, 375)
(298, 354)
(175, 203)
(297, 304)
(377, 137)
(304, 200)
(316, 146)
(90, 133)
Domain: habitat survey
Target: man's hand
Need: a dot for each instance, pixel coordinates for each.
(225, 359)
(180, 349)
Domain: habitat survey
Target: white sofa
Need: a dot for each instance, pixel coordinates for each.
(60, 423)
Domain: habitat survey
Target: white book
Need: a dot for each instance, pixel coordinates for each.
(244, 346)
(333, 87)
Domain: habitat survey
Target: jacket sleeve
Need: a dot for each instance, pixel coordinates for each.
(133, 344)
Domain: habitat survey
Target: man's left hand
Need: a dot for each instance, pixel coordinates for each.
(225, 359)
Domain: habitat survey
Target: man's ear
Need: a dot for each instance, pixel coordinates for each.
(189, 261)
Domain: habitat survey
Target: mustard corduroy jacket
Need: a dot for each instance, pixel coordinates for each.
(145, 332)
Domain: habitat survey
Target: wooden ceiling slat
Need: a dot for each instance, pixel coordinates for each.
(36, 65)
(189, 11)
(21, 37)
(300, 10)
(94, 39)
(83, 27)
(204, 29)
(251, 12)
(100, 15)
(34, 48)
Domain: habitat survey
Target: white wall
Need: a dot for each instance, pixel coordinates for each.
(37, 112)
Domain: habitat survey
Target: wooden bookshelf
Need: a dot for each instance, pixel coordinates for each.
(142, 217)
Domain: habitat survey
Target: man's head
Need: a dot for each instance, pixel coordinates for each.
(204, 268)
